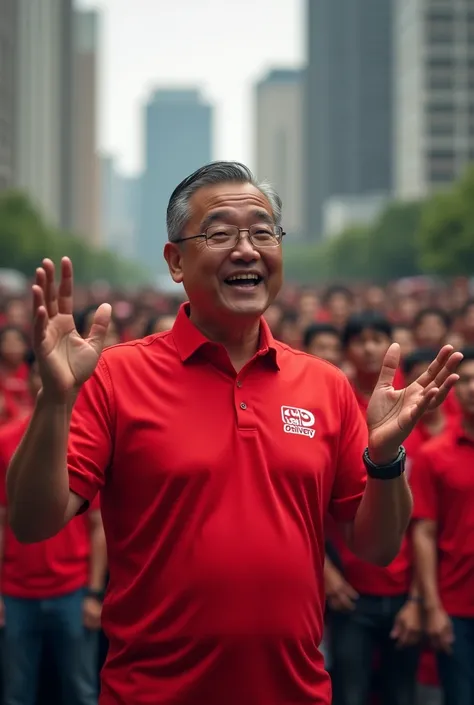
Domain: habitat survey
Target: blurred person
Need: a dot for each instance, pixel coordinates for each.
(218, 452)
(403, 335)
(374, 612)
(51, 595)
(338, 304)
(13, 367)
(430, 328)
(308, 308)
(324, 341)
(375, 299)
(84, 321)
(443, 534)
(16, 314)
(289, 330)
(467, 322)
(406, 308)
(273, 316)
(456, 339)
(159, 324)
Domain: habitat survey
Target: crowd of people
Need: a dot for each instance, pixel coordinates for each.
(397, 635)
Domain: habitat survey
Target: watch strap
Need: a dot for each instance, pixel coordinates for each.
(95, 594)
(386, 472)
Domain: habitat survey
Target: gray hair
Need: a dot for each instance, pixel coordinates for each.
(178, 213)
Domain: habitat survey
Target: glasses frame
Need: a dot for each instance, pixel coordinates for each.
(279, 234)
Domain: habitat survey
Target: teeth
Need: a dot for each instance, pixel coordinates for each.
(243, 276)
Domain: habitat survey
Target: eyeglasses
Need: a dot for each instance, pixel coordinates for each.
(226, 237)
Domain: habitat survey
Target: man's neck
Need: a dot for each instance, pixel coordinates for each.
(241, 340)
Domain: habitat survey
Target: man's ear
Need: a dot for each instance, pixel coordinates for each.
(174, 258)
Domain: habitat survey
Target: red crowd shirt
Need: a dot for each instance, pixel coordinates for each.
(442, 480)
(365, 578)
(49, 568)
(214, 486)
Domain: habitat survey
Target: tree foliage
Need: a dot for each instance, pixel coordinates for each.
(25, 239)
(433, 236)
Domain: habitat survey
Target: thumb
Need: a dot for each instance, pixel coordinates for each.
(390, 365)
(396, 631)
(99, 327)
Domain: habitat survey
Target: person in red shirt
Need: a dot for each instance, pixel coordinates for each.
(51, 596)
(374, 612)
(324, 341)
(14, 368)
(443, 486)
(218, 452)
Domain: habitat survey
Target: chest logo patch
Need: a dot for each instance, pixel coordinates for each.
(299, 422)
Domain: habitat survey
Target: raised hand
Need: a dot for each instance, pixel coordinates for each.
(392, 414)
(65, 359)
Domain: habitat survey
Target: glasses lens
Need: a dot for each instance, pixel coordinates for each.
(222, 237)
(265, 235)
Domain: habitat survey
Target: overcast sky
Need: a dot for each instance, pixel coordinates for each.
(223, 46)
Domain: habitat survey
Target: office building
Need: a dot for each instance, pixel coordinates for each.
(7, 92)
(349, 102)
(86, 166)
(279, 140)
(177, 140)
(434, 94)
(43, 106)
(120, 208)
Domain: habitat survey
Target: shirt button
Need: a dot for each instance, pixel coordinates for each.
(239, 383)
(243, 405)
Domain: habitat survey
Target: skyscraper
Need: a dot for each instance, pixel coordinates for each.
(434, 104)
(43, 106)
(279, 140)
(348, 115)
(7, 92)
(178, 140)
(86, 166)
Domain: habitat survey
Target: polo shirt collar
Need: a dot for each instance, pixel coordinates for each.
(188, 339)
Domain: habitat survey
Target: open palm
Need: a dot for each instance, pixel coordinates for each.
(65, 359)
(392, 414)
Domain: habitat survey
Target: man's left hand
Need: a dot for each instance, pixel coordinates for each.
(392, 414)
(92, 612)
(408, 625)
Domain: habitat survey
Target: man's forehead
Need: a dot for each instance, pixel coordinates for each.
(229, 196)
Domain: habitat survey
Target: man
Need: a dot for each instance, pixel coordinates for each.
(324, 341)
(51, 596)
(430, 327)
(374, 612)
(218, 452)
(443, 534)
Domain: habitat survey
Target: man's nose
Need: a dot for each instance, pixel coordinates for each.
(244, 249)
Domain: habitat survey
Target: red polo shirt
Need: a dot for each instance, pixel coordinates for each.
(365, 578)
(443, 488)
(50, 568)
(214, 488)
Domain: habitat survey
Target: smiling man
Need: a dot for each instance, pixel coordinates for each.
(218, 453)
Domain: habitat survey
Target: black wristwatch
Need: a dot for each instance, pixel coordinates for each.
(386, 472)
(95, 594)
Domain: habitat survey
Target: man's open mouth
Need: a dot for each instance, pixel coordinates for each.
(249, 280)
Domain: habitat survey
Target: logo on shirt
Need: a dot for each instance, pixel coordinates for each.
(297, 421)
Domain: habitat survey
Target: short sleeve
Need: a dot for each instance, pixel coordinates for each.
(90, 444)
(423, 487)
(351, 475)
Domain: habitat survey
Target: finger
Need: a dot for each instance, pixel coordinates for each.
(351, 592)
(40, 320)
(346, 602)
(99, 327)
(427, 401)
(390, 365)
(66, 287)
(435, 367)
(440, 394)
(50, 295)
(451, 365)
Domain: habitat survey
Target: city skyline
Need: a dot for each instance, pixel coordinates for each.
(155, 60)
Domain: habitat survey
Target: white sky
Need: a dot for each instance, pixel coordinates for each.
(223, 46)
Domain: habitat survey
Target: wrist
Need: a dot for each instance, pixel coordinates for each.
(94, 594)
(55, 400)
(385, 457)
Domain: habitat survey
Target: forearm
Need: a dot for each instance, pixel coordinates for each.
(37, 478)
(98, 559)
(426, 565)
(382, 519)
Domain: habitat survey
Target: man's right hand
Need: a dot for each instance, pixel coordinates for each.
(439, 629)
(340, 595)
(65, 359)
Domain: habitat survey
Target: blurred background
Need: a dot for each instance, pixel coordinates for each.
(361, 112)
